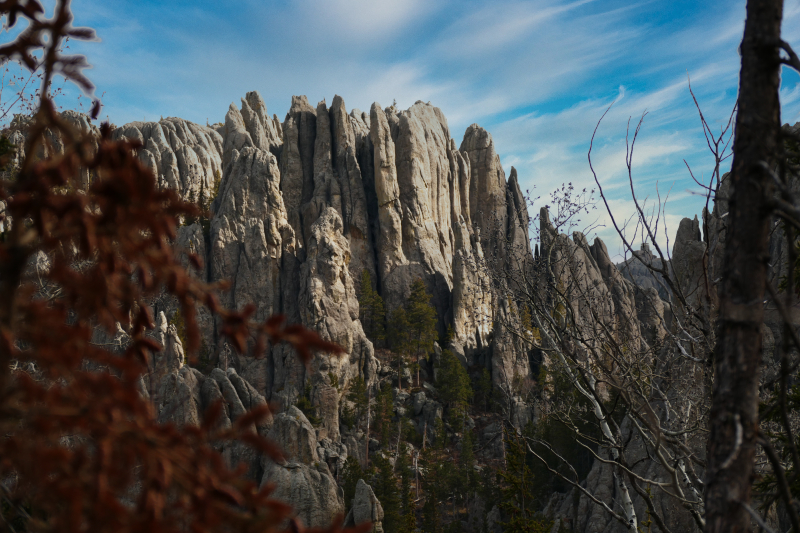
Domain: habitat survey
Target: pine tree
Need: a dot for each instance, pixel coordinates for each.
(517, 501)
(413, 328)
(409, 508)
(529, 331)
(422, 318)
(466, 462)
(371, 310)
(431, 516)
(400, 340)
(7, 148)
(385, 488)
(304, 404)
(384, 414)
(440, 436)
(357, 393)
(192, 199)
(439, 478)
(351, 473)
(433, 466)
(455, 388)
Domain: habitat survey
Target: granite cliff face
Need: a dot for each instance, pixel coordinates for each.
(330, 194)
(301, 208)
(183, 155)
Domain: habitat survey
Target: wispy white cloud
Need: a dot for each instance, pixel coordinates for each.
(357, 21)
(538, 74)
(497, 27)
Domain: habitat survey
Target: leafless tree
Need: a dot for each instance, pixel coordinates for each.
(636, 367)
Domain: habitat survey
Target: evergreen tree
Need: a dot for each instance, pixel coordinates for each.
(357, 393)
(400, 340)
(529, 331)
(304, 404)
(371, 310)
(409, 508)
(422, 318)
(7, 149)
(449, 335)
(383, 414)
(413, 327)
(434, 468)
(431, 515)
(517, 490)
(409, 432)
(440, 436)
(385, 488)
(455, 388)
(190, 219)
(466, 462)
(351, 473)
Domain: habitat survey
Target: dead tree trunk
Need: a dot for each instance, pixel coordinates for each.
(734, 411)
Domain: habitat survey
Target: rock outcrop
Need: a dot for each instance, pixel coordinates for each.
(304, 207)
(302, 479)
(17, 133)
(329, 306)
(366, 508)
(249, 235)
(181, 154)
(249, 127)
(635, 269)
(185, 394)
(409, 205)
(606, 303)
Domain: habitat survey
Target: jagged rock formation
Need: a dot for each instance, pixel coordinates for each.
(590, 280)
(302, 478)
(409, 203)
(250, 127)
(185, 394)
(328, 305)
(696, 263)
(651, 291)
(249, 235)
(608, 301)
(17, 133)
(366, 508)
(635, 270)
(411, 206)
(182, 155)
(303, 208)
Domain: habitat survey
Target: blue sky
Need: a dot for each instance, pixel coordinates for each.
(537, 74)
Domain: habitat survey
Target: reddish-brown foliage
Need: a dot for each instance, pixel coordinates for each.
(80, 448)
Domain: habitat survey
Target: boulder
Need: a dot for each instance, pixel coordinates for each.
(301, 479)
(366, 508)
(309, 489)
(292, 431)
